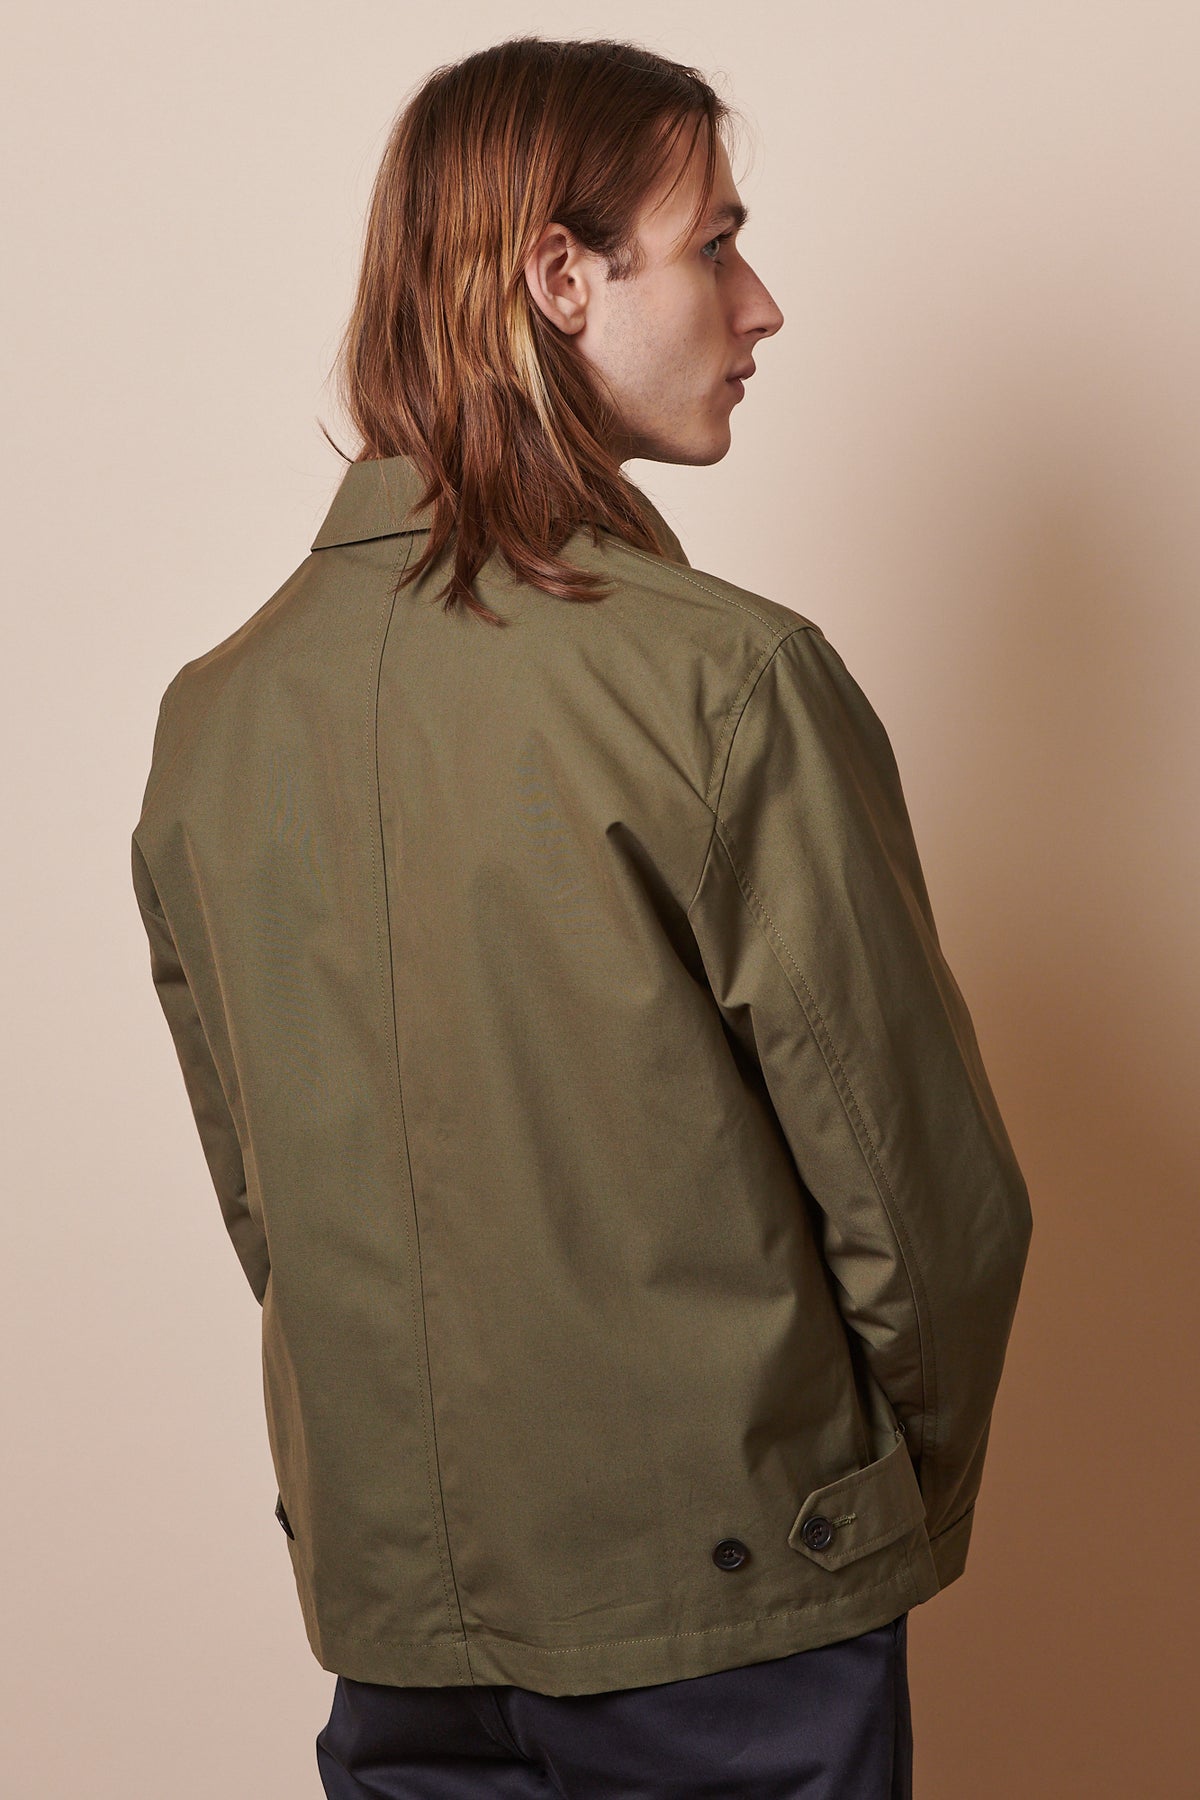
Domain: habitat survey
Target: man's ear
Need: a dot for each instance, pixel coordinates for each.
(558, 274)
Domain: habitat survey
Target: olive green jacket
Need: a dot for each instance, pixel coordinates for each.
(590, 1107)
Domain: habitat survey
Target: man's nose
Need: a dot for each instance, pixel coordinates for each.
(770, 317)
(759, 311)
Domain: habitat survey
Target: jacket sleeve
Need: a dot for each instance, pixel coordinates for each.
(214, 1121)
(813, 921)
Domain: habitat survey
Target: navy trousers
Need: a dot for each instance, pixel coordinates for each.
(832, 1723)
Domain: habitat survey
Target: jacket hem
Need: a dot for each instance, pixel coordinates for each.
(499, 1660)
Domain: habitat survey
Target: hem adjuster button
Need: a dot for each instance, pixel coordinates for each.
(817, 1532)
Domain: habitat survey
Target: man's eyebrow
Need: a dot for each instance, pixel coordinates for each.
(732, 213)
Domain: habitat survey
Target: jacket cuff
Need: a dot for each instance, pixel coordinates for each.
(949, 1548)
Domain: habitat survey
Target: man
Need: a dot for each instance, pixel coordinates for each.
(549, 962)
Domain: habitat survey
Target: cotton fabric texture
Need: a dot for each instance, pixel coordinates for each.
(591, 1108)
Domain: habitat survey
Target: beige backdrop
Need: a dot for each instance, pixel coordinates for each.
(977, 433)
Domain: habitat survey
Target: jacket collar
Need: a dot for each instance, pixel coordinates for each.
(378, 498)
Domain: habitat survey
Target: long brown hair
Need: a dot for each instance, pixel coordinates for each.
(446, 358)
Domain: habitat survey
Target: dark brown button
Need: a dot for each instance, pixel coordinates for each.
(730, 1553)
(282, 1517)
(817, 1532)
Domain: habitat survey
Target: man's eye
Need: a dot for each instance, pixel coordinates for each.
(723, 239)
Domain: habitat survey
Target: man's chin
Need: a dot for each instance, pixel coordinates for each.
(697, 452)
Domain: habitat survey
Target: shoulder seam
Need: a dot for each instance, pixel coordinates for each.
(728, 732)
(740, 702)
